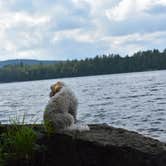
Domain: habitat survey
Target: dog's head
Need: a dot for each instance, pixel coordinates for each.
(55, 88)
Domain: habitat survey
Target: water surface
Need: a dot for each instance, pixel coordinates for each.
(135, 101)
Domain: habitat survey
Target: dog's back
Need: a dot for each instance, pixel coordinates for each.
(61, 109)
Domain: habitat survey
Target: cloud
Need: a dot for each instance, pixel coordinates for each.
(128, 9)
(69, 29)
(135, 42)
(130, 16)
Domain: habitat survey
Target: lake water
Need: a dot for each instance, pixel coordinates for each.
(135, 101)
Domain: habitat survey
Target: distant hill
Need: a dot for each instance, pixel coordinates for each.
(103, 64)
(26, 61)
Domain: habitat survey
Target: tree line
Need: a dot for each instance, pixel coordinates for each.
(101, 64)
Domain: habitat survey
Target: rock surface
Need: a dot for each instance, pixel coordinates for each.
(101, 146)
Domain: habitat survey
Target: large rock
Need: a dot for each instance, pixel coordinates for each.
(101, 146)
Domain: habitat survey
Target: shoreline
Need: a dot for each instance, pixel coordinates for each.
(82, 76)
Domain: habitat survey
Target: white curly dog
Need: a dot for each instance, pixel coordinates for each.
(61, 110)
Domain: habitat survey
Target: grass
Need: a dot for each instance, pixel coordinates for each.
(49, 128)
(2, 161)
(18, 141)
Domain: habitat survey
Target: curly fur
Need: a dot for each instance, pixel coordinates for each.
(61, 109)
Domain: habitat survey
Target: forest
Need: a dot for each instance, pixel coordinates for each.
(101, 64)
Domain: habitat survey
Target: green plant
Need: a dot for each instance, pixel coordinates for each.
(19, 140)
(2, 162)
(49, 127)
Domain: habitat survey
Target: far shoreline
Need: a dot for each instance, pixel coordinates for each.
(83, 76)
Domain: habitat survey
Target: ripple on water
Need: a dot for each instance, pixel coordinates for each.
(160, 110)
(162, 103)
(128, 117)
(100, 104)
(155, 122)
(154, 89)
(99, 115)
(107, 98)
(154, 129)
(4, 121)
(85, 90)
(159, 98)
(132, 96)
(134, 106)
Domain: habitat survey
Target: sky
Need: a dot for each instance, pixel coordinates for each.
(76, 29)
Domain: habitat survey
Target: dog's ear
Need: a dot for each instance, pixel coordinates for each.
(55, 88)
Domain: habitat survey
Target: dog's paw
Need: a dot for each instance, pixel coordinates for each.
(79, 127)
